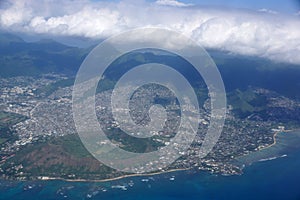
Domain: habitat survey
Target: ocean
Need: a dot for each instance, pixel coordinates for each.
(272, 173)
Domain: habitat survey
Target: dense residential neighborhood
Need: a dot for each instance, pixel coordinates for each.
(47, 110)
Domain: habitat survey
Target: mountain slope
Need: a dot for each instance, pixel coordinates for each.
(20, 58)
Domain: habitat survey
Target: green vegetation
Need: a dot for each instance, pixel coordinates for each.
(105, 84)
(72, 145)
(3, 140)
(246, 102)
(133, 144)
(20, 58)
(6, 39)
(63, 157)
(8, 119)
(49, 89)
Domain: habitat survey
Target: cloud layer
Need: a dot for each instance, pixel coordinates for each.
(261, 33)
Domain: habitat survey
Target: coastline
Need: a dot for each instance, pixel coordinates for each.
(251, 157)
(274, 141)
(45, 178)
(150, 174)
(274, 138)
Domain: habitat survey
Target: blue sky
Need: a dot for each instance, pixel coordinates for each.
(283, 6)
(286, 6)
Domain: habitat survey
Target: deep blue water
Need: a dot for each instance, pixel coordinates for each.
(267, 179)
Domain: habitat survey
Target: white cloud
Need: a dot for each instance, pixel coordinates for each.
(171, 3)
(16, 14)
(268, 11)
(257, 33)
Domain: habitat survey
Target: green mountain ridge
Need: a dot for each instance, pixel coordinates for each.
(20, 58)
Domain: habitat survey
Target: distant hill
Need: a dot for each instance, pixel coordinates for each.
(240, 72)
(18, 57)
(7, 38)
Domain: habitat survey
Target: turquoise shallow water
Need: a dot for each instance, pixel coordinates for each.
(272, 173)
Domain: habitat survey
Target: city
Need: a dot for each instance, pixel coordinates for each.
(49, 117)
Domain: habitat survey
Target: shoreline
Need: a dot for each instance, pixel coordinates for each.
(274, 141)
(240, 160)
(46, 178)
(110, 179)
(274, 138)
